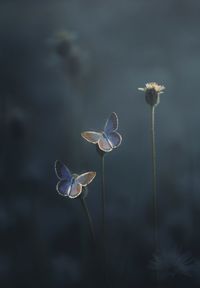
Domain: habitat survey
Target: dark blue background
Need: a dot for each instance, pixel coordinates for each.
(48, 97)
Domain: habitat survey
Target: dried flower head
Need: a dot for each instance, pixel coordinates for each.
(152, 93)
(109, 138)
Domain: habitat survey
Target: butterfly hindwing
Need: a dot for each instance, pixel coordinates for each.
(111, 123)
(86, 178)
(115, 139)
(76, 189)
(62, 171)
(91, 136)
(63, 187)
(104, 144)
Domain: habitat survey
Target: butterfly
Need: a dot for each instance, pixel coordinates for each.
(109, 138)
(71, 185)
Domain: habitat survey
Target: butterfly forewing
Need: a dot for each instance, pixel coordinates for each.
(91, 136)
(111, 124)
(62, 171)
(115, 139)
(86, 178)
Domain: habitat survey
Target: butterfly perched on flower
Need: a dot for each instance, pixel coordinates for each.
(71, 185)
(109, 138)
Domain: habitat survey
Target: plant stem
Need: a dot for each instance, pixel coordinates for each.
(103, 195)
(3, 132)
(154, 183)
(89, 219)
(154, 176)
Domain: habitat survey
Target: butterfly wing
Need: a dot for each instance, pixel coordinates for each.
(62, 172)
(111, 123)
(63, 187)
(91, 136)
(86, 178)
(75, 190)
(104, 144)
(114, 139)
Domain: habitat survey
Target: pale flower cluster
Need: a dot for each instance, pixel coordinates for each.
(153, 85)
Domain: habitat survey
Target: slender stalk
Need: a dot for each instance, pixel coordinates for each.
(3, 131)
(103, 195)
(154, 184)
(89, 219)
(154, 177)
(103, 192)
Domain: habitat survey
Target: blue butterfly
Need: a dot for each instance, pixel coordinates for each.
(109, 138)
(70, 185)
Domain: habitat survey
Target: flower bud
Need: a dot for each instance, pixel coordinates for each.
(152, 97)
(152, 93)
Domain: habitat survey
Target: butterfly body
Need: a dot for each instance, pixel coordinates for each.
(109, 138)
(70, 185)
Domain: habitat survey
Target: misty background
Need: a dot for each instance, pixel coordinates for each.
(64, 67)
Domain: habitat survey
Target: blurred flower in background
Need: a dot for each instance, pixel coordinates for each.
(171, 263)
(68, 53)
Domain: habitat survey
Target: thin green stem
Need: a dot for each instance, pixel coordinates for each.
(154, 183)
(89, 219)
